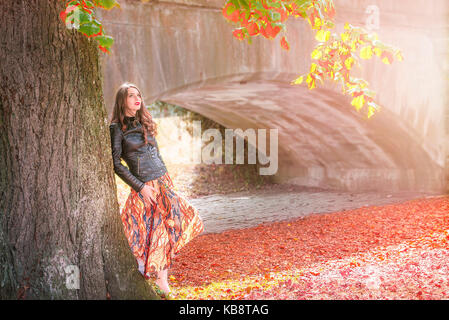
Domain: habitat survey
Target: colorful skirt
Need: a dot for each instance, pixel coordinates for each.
(156, 232)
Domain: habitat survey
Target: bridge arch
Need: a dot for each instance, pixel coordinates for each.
(165, 48)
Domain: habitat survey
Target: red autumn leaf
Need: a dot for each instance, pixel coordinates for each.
(105, 50)
(264, 4)
(284, 43)
(234, 16)
(243, 19)
(87, 5)
(253, 29)
(238, 33)
(284, 14)
(331, 11)
(324, 64)
(269, 31)
(63, 14)
(387, 55)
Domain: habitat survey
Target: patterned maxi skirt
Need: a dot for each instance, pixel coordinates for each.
(157, 232)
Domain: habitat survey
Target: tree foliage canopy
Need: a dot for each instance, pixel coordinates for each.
(334, 56)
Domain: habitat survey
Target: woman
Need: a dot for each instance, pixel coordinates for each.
(157, 220)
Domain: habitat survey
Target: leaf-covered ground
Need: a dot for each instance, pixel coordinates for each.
(391, 252)
(397, 251)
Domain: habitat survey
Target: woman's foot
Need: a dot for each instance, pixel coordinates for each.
(163, 285)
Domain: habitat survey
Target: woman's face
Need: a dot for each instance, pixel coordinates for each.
(133, 102)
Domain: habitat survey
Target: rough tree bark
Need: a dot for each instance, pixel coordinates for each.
(58, 201)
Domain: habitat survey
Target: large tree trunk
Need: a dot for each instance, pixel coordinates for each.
(58, 201)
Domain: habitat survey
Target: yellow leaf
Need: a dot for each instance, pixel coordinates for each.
(385, 60)
(310, 82)
(342, 51)
(353, 46)
(313, 67)
(298, 80)
(349, 62)
(316, 54)
(346, 27)
(370, 111)
(344, 37)
(358, 102)
(366, 52)
(378, 51)
(312, 85)
(399, 56)
(309, 79)
(322, 35)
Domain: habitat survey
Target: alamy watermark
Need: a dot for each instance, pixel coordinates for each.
(197, 148)
(372, 21)
(72, 280)
(73, 19)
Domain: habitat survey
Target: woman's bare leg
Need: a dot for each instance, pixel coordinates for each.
(162, 281)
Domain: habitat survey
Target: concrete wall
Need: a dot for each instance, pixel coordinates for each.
(183, 52)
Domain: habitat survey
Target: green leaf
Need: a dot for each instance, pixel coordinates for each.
(107, 4)
(302, 3)
(245, 4)
(275, 16)
(83, 16)
(273, 4)
(90, 28)
(230, 10)
(105, 41)
(236, 3)
(259, 6)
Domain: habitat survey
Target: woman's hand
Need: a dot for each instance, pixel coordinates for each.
(148, 193)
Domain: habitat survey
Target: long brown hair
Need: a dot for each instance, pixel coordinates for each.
(142, 115)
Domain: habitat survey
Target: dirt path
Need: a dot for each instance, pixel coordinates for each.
(250, 208)
(226, 200)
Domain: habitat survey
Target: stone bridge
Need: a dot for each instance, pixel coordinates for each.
(183, 52)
